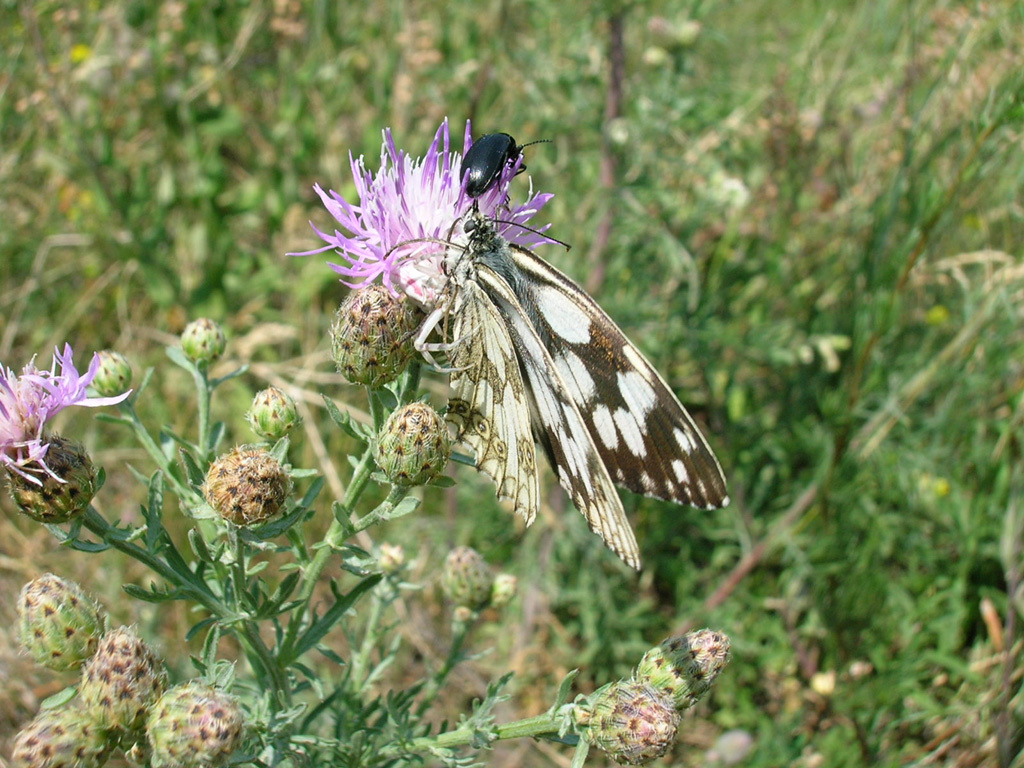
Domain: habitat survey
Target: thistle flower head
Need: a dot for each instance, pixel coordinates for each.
(273, 413)
(121, 681)
(247, 486)
(685, 667)
(58, 624)
(59, 738)
(631, 722)
(194, 726)
(371, 336)
(466, 578)
(413, 446)
(409, 211)
(29, 401)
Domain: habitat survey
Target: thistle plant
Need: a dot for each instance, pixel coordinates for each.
(290, 695)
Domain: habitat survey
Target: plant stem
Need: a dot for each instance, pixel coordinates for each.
(203, 404)
(433, 685)
(337, 529)
(540, 725)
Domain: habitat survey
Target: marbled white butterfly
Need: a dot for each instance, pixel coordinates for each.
(535, 361)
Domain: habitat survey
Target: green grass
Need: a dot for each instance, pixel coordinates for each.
(850, 336)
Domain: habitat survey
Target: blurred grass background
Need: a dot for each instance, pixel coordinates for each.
(808, 215)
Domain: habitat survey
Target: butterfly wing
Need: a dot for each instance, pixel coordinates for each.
(644, 436)
(558, 424)
(489, 405)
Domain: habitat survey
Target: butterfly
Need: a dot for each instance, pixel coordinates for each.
(534, 363)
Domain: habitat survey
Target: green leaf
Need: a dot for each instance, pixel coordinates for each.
(199, 627)
(386, 397)
(217, 432)
(178, 358)
(199, 547)
(564, 689)
(319, 628)
(59, 699)
(275, 528)
(346, 424)
(153, 512)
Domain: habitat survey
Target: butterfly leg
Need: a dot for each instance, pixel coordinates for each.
(425, 348)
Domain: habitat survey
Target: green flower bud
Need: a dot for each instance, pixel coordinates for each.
(203, 340)
(674, 36)
(58, 624)
(194, 726)
(114, 375)
(55, 501)
(392, 558)
(684, 668)
(466, 578)
(372, 336)
(122, 680)
(60, 738)
(630, 721)
(503, 589)
(247, 486)
(273, 414)
(414, 445)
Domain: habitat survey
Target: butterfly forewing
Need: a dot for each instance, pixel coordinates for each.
(535, 361)
(646, 439)
(489, 406)
(560, 428)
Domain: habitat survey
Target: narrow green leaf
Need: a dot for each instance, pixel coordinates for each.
(319, 628)
(345, 423)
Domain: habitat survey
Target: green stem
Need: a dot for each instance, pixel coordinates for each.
(395, 495)
(338, 528)
(433, 686)
(195, 588)
(203, 403)
(256, 650)
(541, 725)
(335, 533)
(361, 659)
(151, 447)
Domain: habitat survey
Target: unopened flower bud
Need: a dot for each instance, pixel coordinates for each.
(466, 578)
(463, 614)
(414, 445)
(731, 748)
(114, 376)
(194, 726)
(59, 626)
(372, 336)
(122, 680)
(630, 721)
(273, 414)
(203, 340)
(55, 500)
(247, 486)
(684, 668)
(60, 738)
(392, 558)
(503, 589)
(674, 35)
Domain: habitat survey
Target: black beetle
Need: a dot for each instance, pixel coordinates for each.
(487, 158)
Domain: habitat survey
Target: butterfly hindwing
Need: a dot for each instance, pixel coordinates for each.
(489, 406)
(560, 428)
(645, 438)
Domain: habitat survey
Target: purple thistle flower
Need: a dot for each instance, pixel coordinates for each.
(408, 213)
(28, 401)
